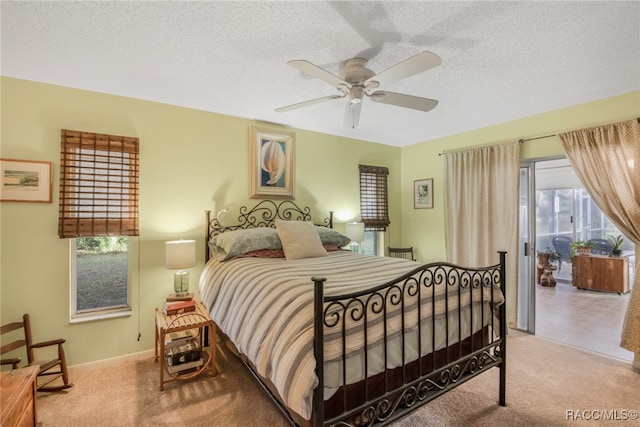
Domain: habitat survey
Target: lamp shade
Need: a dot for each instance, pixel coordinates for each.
(180, 254)
(354, 231)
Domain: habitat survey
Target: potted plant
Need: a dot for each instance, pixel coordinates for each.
(616, 243)
(581, 247)
(547, 255)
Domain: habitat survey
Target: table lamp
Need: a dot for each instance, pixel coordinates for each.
(354, 231)
(180, 254)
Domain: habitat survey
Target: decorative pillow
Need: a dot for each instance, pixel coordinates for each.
(279, 253)
(299, 239)
(329, 236)
(238, 242)
(263, 253)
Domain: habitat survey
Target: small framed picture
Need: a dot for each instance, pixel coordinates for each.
(25, 181)
(423, 194)
(272, 163)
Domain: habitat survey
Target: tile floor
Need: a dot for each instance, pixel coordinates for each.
(587, 319)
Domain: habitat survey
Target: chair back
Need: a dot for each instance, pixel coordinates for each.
(7, 333)
(600, 247)
(562, 245)
(406, 253)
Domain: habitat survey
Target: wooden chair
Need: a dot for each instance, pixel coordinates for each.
(406, 253)
(49, 370)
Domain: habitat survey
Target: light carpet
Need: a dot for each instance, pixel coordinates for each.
(548, 384)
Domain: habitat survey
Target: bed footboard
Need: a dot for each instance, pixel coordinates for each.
(432, 329)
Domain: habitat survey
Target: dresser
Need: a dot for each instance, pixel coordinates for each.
(601, 273)
(18, 397)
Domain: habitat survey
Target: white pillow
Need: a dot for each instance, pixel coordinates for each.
(299, 239)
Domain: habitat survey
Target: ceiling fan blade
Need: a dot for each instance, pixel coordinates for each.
(307, 103)
(402, 100)
(407, 68)
(320, 73)
(352, 114)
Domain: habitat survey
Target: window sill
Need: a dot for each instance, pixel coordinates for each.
(99, 315)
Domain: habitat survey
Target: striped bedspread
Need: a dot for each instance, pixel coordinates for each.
(264, 305)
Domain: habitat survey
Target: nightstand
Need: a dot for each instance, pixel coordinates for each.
(18, 403)
(198, 320)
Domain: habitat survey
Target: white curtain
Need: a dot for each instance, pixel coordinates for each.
(481, 210)
(607, 161)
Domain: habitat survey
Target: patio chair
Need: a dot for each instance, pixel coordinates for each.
(562, 245)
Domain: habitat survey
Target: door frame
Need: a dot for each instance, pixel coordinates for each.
(526, 306)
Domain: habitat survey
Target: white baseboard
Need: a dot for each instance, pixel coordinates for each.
(112, 361)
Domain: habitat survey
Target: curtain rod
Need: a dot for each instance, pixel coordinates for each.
(539, 137)
(530, 139)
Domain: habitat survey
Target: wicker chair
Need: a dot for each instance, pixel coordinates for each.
(562, 245)
(600, 247)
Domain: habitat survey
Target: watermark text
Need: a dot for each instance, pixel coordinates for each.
(601, 414)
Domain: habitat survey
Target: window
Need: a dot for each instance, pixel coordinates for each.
(374, 206)
(370, 243)
(99, 213)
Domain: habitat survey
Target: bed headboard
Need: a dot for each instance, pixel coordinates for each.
(264, 214)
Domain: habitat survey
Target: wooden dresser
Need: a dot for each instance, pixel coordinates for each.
(601, 273)
(18, 397)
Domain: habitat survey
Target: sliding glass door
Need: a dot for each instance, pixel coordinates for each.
(526, 255)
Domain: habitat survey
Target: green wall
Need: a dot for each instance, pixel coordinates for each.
(424, 228)
(192, 161)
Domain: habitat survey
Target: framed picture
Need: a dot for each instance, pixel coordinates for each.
(272, 163)
(423, 194)
(25, 181)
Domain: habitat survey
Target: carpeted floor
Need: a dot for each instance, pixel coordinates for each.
(546, 381)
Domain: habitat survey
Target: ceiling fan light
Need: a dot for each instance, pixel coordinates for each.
(355, 95)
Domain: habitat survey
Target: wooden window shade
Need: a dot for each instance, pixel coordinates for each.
(374, 205)
(98, 185)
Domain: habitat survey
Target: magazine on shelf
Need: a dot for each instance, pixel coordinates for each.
(186, 367)
(182, 354)
(179, 338)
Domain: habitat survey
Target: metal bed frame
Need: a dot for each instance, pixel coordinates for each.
(389, 395)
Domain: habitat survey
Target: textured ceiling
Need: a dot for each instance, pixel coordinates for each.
(500, 60)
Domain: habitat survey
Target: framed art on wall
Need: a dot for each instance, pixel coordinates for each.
(272, 163)
(25, 181)
(423, 194)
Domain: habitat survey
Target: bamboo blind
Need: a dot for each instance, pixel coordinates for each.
(98, 185)
(374, 205)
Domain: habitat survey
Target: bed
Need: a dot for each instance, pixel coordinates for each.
(389, 334)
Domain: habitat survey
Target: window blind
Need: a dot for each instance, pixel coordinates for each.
(98, 185)
(374, 205)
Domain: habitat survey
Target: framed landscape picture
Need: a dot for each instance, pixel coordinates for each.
(25, 181)
(272, 163)
(423, 194)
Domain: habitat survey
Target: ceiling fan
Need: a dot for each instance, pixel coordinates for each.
(356, 81)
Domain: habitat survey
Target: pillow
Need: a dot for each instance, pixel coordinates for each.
(263, 253)
(329, 236)
(299, 239)
(279, 253)
(238, 242)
